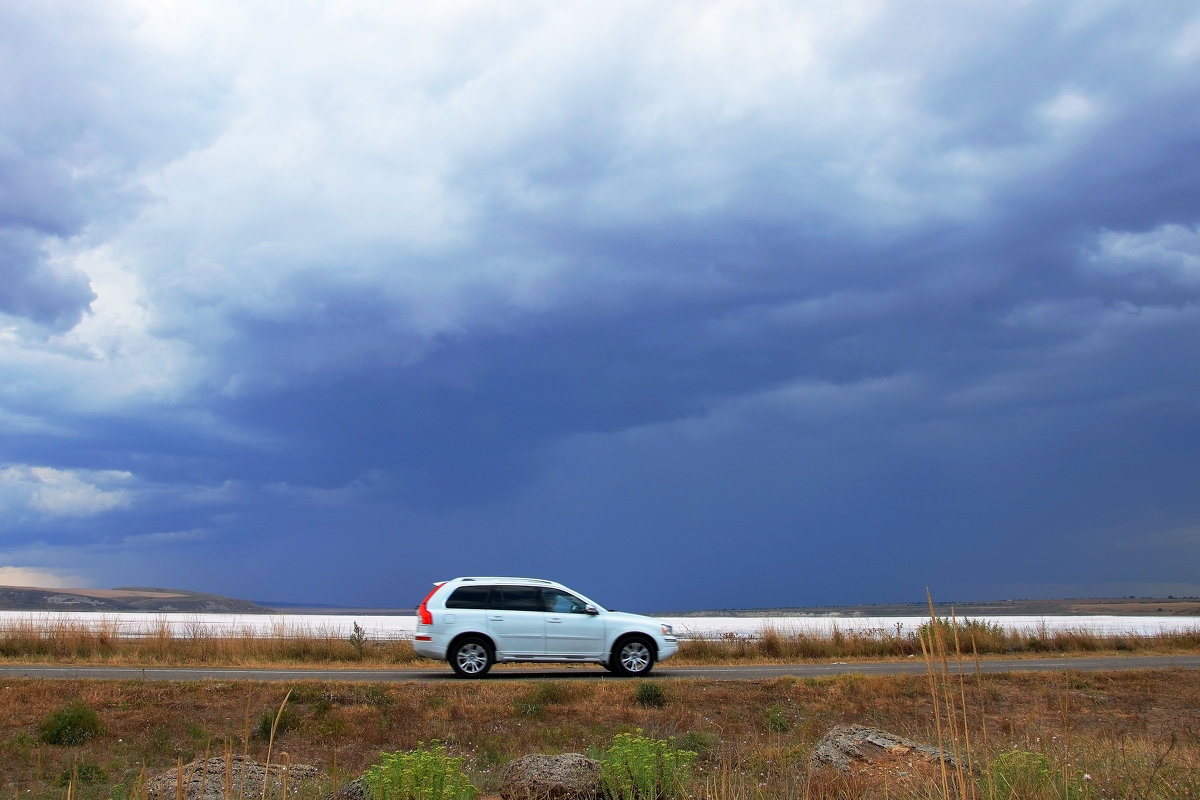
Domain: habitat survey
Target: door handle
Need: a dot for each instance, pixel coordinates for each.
(496, 618)
(554, 619)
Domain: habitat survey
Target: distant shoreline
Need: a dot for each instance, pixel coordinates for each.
(1114, 606)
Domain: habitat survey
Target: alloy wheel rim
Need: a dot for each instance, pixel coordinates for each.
(472, 658)
(634, 657)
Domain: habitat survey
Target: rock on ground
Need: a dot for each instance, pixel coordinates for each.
(879, 757)
(207, 780)
(354, 790)
(569, 776)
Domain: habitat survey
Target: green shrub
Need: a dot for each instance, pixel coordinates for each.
(72, 725)
(358, 640)
(420, 774)
(650, 694)
(639, 768)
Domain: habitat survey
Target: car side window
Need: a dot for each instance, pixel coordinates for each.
(519, 598)
(561, 602)
(469, 597)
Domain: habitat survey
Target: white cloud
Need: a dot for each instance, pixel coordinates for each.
(1070, 109)
(1168, 251)
(64, 493)
(1186, 47)
(167, 538)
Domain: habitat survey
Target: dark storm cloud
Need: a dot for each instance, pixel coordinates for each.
(81, 113)
(33, 289)
(888, 294)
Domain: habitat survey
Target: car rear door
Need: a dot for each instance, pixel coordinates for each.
(517, 622)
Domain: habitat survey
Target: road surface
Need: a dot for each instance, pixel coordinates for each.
(583, 672)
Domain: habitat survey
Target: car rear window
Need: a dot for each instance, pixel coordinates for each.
(519, 598)
(469, 597)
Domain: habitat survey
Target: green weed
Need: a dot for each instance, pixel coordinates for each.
(420, 774)
(639, 768)
(83, 772)
(777, 719)
(1021, 773)
(268, 727)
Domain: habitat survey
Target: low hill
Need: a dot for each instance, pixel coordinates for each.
(29, 598)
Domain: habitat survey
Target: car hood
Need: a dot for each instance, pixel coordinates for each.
(624, 617)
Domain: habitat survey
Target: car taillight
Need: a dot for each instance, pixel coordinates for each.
(423, 615)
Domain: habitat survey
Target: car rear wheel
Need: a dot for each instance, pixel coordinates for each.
(633, 656)
(471, 657)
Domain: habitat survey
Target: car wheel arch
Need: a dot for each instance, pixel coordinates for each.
(614, 657)
(491, 644)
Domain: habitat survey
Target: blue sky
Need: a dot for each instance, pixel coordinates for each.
(688, 305)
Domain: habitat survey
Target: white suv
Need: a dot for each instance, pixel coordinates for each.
(476, 622)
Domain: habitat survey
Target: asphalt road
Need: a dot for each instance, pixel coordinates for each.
(582, 672)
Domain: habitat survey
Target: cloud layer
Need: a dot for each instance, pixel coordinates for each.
(699, 305)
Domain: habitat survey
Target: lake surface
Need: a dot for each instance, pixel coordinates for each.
(396, 627)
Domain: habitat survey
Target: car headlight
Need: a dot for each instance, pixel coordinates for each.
(668, 630)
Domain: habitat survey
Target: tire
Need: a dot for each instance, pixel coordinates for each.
(632, 657)
(470, 657)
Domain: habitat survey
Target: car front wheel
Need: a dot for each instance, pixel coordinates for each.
(471, 657)
(633, 656)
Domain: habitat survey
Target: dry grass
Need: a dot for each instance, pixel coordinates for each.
(294, 643)
(56, 641)
(754, 737)
(795, 645)
(1018, 736)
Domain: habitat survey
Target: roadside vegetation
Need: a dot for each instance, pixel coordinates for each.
(53, 641)
(1133, 734)
(1016, 736)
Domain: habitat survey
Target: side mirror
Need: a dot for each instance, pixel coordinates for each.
(591, 610)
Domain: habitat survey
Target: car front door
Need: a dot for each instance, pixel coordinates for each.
(571, 632)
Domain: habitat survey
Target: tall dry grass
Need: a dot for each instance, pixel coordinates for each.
(295, 642)
(781, 643)
(50, 639)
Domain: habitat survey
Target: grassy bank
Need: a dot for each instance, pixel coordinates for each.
(1133, 734)
(54, 641)
(1124, 734)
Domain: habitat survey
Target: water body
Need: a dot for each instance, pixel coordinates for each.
(399, 627)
